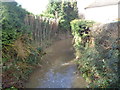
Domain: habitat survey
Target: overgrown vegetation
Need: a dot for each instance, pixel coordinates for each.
(18, 55)
(64, 10)
(96, 54)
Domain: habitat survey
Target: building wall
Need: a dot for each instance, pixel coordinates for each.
(102, 14)
(81, 4)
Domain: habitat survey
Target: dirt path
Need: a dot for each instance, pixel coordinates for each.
(58, 70)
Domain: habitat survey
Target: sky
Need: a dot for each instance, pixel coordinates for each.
(34, 6)
(37, 6)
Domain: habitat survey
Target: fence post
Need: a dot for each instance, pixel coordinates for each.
(42, 28)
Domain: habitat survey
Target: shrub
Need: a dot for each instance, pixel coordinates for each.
(81, 31)
(98, 64)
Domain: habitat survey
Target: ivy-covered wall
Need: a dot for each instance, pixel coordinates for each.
(97, 52)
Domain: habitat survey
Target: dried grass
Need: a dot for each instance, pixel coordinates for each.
(21, 48)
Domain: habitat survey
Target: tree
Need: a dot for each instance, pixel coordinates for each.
(54, 7)
(64, 10)
(70, 12)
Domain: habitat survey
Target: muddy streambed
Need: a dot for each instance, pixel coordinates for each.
(58, 69)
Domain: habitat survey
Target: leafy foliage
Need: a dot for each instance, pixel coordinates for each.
(47, 15)
(12, 27)
(70, 12)
(54, 7)
(65, 11)
(81, 31)
(98, 65)
(81, 26)
(12, 22)
(17, 51)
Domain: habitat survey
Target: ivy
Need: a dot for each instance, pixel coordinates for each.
(12, 22)
(14, 31)
(81, 31)
(98, 66)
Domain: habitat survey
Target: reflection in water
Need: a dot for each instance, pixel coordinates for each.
(61, 79)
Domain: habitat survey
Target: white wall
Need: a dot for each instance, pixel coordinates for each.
(103, 14)
(81, 4)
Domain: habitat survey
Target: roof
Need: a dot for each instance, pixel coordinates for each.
(100, 3)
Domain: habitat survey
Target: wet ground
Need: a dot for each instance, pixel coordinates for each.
(58, 69)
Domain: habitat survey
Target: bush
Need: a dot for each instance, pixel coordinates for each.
(12, 22)
(98, 65)
(18, 56)
(81, 31)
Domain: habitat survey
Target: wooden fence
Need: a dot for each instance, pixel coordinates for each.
(42, 28)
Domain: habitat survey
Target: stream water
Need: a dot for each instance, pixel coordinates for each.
(58, 69)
